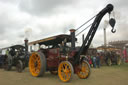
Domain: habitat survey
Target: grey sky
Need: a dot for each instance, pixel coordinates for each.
(37, 19)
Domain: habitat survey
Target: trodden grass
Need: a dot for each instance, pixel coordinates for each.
(112, 75)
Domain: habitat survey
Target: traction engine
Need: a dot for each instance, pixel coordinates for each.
(58, 54)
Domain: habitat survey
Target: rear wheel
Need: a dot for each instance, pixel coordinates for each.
(19, 66)
(7, 66)
(37, 64)
(84, 70)
(65, 71)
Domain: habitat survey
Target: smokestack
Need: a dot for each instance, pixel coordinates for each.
(26, 45)
(72, 33)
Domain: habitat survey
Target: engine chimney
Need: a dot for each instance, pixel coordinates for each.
(72, 33)
(26, 46)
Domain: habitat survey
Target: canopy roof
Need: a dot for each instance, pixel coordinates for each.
(54, 40)
(17, 47)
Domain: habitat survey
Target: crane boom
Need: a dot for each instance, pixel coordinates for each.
(87, 41)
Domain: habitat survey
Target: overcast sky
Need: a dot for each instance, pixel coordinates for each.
(37, 19)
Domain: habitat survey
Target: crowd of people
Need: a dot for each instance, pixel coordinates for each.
(94, 60)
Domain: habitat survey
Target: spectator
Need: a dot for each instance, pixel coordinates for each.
(94, 61)
(98, 60)
(89, 59)
(7, 51)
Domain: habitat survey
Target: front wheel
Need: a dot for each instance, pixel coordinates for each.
(84, 70)
(19, 66)
(65, 71)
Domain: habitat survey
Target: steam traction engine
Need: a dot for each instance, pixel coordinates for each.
(57, 57)
(17, 56)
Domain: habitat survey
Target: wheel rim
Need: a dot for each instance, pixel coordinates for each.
(35, 64)
(65, 71)
(84, 70)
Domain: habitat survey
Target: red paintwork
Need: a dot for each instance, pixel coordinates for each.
(54, 57)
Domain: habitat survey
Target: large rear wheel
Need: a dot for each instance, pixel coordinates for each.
(65, 71)
(7, 67)
(7, 64)
(84, 70)
(37, 64)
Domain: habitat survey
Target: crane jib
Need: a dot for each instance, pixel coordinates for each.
(87, 41)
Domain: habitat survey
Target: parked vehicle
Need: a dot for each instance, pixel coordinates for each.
(17, 56)
(57, 57)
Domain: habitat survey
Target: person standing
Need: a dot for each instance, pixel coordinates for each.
(90, 60)
(98, 60)
(94, 61)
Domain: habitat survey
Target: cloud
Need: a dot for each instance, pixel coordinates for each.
(50, 17)
(9, 1)
(43, 7)
(12, 23)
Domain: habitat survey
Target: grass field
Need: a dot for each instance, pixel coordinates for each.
(113, 75)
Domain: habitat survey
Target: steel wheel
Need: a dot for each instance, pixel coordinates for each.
(37, 64)
(84, 71)
(7, 66)
(65, 71)
(109, 62)
(19, 66)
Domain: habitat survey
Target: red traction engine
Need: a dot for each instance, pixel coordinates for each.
(58, 54)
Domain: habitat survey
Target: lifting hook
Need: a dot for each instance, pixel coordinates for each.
(112, 22)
